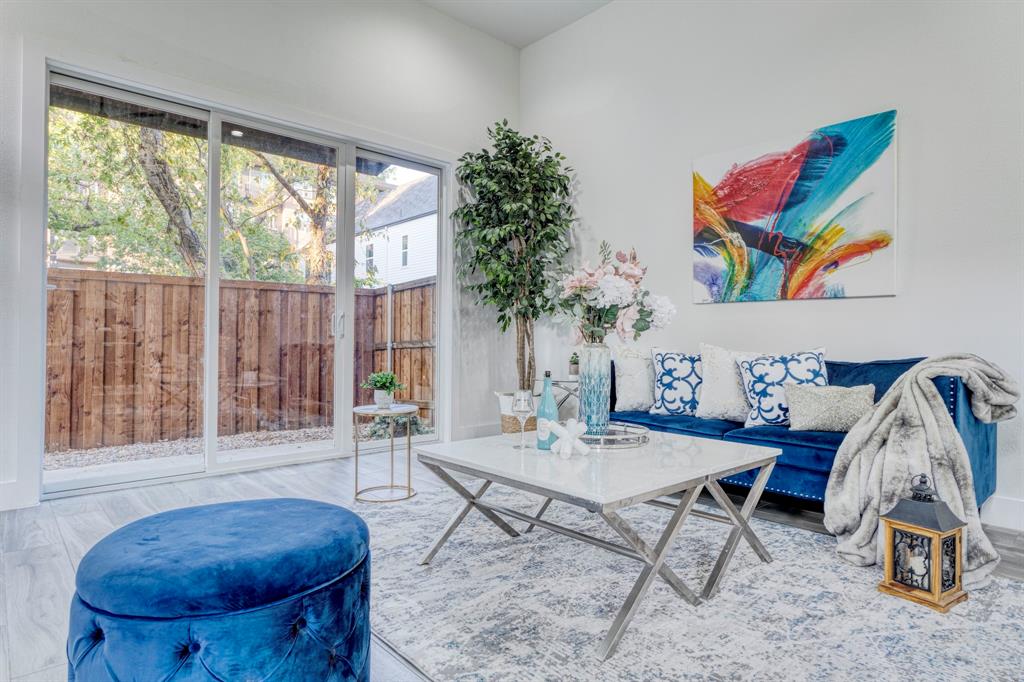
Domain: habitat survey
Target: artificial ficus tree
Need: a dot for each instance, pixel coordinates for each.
(514, 223)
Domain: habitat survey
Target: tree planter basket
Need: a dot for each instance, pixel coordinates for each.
(510, 424)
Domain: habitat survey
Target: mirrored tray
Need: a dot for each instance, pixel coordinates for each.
(619, 436)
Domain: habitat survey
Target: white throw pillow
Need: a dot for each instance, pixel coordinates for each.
(634, 380)
(677, 382)
(721, 391)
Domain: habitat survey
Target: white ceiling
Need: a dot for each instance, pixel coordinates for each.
(517, 22)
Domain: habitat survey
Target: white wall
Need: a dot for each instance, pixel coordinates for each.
(635, 91)
(397, 74)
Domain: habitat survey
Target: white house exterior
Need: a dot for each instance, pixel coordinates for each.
(396, 239)
(399, 253)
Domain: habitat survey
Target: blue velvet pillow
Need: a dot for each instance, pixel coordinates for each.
(677, 380)
(765, 378)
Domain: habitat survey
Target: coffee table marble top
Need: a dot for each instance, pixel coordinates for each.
(601, 480)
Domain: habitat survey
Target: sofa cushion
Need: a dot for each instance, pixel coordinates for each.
(678, 423)
(813, 450)
(881, 373)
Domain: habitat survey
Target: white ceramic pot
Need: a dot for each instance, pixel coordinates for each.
(383, 399)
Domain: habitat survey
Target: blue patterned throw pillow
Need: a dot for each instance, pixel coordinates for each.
(676, 382)
(765, 378)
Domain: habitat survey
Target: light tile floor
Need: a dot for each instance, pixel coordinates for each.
(40, 549)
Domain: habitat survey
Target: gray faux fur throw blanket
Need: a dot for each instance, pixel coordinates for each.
(910, 432)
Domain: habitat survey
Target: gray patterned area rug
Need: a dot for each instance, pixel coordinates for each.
(491, 607)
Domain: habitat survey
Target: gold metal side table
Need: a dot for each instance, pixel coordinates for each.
(388, 492)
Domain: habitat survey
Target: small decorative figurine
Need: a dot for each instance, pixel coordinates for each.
(569, 438)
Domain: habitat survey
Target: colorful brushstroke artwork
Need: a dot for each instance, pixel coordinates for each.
(811, 217)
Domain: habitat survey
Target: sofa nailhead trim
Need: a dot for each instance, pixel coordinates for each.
(791, 493)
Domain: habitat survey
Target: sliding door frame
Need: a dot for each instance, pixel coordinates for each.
(218, 460)
(346, 151)
(441, 271)
(146, 468)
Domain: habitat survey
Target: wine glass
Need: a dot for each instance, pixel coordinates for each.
(522, 408)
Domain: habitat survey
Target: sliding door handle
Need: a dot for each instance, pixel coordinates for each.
(338, 325)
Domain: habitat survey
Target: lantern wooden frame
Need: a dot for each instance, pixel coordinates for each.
(934, 598)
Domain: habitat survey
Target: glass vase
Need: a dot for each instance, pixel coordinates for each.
(595, 387)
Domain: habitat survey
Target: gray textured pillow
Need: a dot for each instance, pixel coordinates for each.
(828, 408)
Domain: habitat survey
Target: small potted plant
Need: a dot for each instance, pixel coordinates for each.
(384, 385)
(574, 364)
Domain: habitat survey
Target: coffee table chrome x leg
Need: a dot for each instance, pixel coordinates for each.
(539, 513)
(634, 540)
(654, 561)
(741, 527)
(457, 520)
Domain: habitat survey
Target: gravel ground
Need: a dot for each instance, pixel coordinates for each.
(70, 459)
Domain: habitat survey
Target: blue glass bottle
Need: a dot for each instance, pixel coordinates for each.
(547, 412)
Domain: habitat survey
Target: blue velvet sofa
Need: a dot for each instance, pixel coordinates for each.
(802, 470)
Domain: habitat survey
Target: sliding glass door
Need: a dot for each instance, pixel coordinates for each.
(126, 258)
(397, 223)
(218, 288)
(278, 289)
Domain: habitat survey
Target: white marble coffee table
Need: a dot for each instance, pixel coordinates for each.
(605, 482)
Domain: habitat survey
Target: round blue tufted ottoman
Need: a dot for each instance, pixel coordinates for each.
(273, 589)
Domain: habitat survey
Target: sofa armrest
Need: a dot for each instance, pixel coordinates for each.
(979, 438)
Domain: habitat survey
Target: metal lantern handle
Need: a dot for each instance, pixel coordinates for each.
(921, 490)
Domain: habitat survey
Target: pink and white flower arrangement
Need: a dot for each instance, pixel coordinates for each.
(611, 297)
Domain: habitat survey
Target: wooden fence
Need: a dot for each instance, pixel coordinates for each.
(124, 355)
(413, 326)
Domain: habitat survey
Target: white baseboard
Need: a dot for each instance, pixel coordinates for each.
(1005, 512)
(16, 495)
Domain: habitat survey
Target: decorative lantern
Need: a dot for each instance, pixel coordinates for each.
(923, 549)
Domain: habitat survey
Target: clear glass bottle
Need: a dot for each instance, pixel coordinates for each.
(547, 412)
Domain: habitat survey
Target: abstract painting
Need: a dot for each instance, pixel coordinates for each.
(813, 216)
